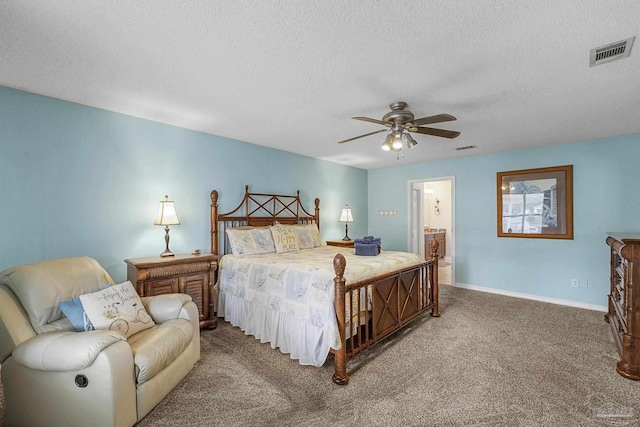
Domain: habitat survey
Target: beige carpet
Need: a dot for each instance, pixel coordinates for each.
(490, 360)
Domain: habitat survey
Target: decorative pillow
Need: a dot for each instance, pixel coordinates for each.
(285, 238)
(117, 308)
(72, 308)
(308, 236)
(263, 240)
(249, 241)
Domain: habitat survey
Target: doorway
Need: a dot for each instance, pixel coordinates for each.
(432, 216)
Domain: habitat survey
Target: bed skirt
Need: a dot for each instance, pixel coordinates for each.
(310, 346)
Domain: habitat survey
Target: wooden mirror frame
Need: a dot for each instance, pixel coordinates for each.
(554, 219)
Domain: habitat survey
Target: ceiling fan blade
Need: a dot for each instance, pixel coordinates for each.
(367, 119)
(362, 136)
(436, 132)
(438, 118)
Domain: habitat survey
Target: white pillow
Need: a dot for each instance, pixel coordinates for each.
(285, 238)
(249, 241)
(117, 308)
(308, 236)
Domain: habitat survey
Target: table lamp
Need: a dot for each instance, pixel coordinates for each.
(167, 216)
(346, 217)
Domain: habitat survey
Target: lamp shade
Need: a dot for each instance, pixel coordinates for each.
(167, 213)
(396, 143)
(386, 145)
(409, 141)
(346, 216)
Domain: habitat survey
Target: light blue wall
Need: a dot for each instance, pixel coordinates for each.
(77, 180)
(606, 180)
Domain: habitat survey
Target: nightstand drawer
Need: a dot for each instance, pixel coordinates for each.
(161, 286)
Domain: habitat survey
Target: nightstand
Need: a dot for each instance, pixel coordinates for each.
(188, 274)
(341, 243)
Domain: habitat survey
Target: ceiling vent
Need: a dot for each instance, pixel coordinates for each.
(610, 52)
(467, 147)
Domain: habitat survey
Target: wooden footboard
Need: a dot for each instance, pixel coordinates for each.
(380, 306)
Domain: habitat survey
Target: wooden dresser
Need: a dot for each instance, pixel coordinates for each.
(624, 301)
(188, 274)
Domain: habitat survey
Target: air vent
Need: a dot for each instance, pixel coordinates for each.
(611, 52)
(467, 147)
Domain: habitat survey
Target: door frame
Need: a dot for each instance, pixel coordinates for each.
(418, 223)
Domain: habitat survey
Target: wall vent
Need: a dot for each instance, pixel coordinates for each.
(467, 147)
(610, 52)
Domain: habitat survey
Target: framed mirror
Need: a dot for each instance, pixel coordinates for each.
(536, 203)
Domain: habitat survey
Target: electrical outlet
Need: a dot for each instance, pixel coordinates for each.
(575, 283)
(584, 283)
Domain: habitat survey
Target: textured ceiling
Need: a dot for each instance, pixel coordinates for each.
(291, 74)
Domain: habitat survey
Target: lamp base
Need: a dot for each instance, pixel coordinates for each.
(166, 252)
(346, 232)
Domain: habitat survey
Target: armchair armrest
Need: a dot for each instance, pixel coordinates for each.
(170, 306)
(64, 351)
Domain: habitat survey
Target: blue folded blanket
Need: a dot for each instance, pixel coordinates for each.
(368, 246)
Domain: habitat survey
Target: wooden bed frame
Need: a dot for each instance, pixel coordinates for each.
(397, 298)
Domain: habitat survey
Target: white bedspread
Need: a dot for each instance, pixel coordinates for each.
(286, 299)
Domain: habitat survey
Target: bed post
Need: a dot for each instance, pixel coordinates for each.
(214, 222)
(245, 201)
(317, 202)
(434, 277)
(340, 376)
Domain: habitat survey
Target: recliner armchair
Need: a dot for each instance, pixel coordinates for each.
(53, 375)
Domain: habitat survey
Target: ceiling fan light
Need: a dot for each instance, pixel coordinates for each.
(386, 145)
(396, 144)
(409, 141)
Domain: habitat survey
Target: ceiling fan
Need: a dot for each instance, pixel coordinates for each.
(400, 122)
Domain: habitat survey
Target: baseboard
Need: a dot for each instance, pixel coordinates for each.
(558, 301)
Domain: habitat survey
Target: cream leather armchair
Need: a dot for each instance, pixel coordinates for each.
(54, 376)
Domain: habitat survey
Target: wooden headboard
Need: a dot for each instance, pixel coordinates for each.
(257, 210)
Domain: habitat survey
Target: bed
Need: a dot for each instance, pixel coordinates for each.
(278, 281)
